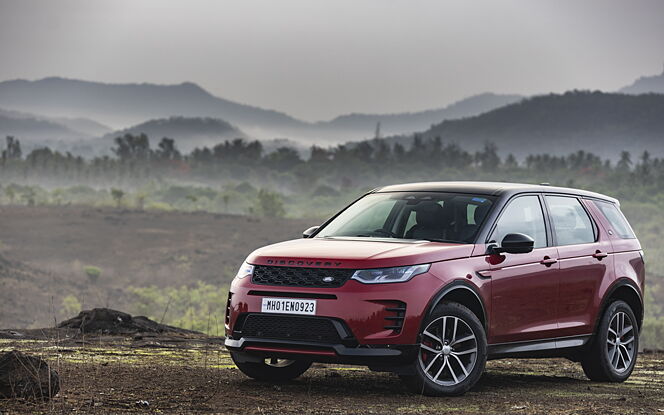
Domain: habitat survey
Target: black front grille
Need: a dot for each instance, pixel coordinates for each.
(301, 277)
(312, 329)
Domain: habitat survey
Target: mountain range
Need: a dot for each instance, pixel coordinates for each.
(121, 105)
(557, 124)
(74, 113)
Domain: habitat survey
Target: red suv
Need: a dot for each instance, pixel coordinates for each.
(429, 280)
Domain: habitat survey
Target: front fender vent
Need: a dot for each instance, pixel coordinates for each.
(396, 314)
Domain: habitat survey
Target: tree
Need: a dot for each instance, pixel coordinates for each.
(268, 204)
(510, 162)
(167, 150)
(13, 150)
(625, 162)
(117, 195)
(132, 147)
(488, 158)
(283, 158)
(11, 194)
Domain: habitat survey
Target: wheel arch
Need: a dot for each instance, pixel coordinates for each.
(626, 290)
(463, 293)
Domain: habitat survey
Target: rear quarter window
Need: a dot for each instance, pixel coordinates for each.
(617, 220)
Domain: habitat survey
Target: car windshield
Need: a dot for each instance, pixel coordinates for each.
(436, 216)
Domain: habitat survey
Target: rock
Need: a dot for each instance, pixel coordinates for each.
(108, 321)
(28, 377)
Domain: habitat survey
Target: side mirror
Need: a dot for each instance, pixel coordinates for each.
(514, 243)
(310, 231)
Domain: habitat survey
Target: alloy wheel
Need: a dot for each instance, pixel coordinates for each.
(620, 342)
(448, 350)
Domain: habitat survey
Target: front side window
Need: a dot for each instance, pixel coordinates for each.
(570, 221)
(431, 216)
(522, 215)
(616, 219)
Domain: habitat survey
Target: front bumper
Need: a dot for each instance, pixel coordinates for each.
(252, 349)
(372, 329)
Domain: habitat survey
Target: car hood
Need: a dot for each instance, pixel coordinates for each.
(356, 253)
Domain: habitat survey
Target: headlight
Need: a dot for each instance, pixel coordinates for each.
(384, 275)
(245, 271)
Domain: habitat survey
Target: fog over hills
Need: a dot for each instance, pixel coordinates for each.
(122, 105)
(189, 132)
(646, 84)
(558, 124)
(66, 111)
(413, 121)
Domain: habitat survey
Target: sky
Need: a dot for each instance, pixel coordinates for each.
(317, 59)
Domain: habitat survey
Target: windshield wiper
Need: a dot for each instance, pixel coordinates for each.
(441, 240)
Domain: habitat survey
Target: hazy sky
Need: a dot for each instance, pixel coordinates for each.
(317, 59)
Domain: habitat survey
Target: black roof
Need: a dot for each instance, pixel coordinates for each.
(488, 188)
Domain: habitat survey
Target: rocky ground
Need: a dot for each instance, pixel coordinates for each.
(156, 373)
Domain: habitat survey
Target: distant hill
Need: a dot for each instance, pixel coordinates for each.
(79, 127)
(599, 122)
(401, 123)
(29, 128)
(646, 84)
(129, 104)
(120, 105)
(188, 132)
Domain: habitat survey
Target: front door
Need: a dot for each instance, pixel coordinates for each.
(524, 287)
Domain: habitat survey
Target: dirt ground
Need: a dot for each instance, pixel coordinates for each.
(44, 249)
(178, 375)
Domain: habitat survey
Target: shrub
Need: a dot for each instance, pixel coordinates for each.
(200, 307)
(93, 273)
(71, 306)
(268, 204)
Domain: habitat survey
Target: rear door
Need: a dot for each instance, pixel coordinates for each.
(585, 263)
(524, 287)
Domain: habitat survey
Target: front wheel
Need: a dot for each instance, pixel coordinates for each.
(272, 369)
(612, 354)
(452, 352)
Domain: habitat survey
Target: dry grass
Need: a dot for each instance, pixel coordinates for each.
(178, 375)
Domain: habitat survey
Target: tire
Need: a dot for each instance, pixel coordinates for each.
(272, 370)
(600, 363)
(444, 365)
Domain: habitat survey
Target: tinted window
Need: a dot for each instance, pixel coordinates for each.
(522, 215)
(616, 219)
(570, 221)
(445, 217)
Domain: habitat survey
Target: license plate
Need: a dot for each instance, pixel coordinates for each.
(288, 306)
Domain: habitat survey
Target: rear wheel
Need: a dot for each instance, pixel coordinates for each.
(612, 354)
(272, 369)
(452, 352)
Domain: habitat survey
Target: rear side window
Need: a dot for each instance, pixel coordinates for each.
(571, 223)
(616, 219)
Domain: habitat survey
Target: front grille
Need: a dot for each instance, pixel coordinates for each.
(312, 329)
(301, 277)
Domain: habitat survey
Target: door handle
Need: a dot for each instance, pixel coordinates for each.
(548, 261)
(599, 255)
(484, 274)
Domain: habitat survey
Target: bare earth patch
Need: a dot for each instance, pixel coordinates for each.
(177, 374)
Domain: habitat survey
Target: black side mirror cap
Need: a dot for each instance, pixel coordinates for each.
(309, 232)
(514, 243)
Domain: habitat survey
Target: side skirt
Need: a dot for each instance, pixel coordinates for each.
(557, 347)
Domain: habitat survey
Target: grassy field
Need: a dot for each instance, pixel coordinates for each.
(178, 375)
